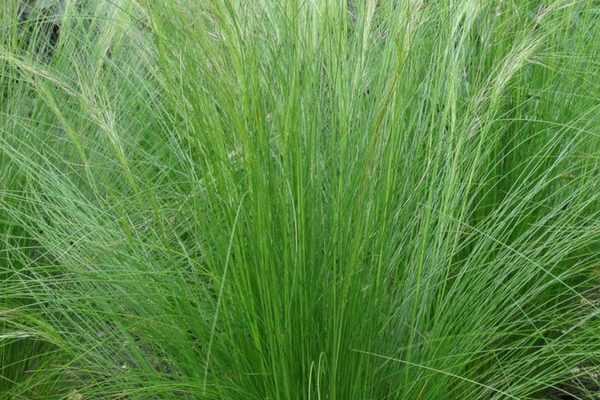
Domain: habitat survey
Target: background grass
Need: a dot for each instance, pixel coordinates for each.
(300, 200)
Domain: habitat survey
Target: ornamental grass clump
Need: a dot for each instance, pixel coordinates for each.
(300, 200)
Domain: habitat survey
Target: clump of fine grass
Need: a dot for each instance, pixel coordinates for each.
(300, 200)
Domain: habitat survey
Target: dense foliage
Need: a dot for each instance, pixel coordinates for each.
(299, 199)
